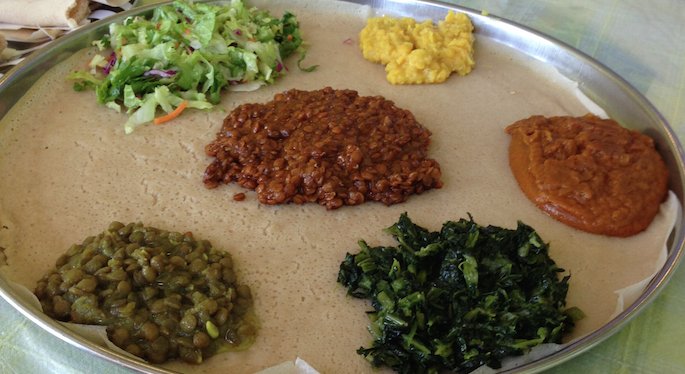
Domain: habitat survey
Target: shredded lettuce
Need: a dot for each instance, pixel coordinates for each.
(204, 48)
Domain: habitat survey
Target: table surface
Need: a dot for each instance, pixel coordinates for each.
(641, 40)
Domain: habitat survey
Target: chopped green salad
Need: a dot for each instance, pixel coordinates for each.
(184, 55)
(458, 298)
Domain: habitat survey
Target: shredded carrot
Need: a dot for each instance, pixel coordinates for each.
(173, 114)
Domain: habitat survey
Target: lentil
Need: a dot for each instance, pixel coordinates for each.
(328, 146)
(589, 173)
(165, 295)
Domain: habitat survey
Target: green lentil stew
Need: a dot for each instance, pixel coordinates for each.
(162, 295)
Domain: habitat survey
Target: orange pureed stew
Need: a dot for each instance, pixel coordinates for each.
(588, 172)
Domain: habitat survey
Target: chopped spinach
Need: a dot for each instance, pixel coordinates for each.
(457, 299)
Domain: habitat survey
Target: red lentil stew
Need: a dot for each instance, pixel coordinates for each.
(329, 146)
(589, 173)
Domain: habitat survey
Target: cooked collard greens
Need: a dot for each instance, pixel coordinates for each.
(458, 298)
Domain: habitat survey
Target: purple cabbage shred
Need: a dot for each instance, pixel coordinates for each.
(160, 73)
(110, 63)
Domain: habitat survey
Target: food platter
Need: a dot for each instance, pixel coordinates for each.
(612, 93)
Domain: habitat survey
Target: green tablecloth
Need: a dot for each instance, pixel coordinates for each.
(643, 41)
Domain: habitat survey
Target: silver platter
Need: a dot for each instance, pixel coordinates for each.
(616, 96)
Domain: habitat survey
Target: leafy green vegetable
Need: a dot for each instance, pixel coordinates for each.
(308, 69)
(457, 299)
(189, 49)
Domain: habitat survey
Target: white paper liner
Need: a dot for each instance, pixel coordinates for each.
(626, 296)
(536, 353)
(299, 366)
(555, 76)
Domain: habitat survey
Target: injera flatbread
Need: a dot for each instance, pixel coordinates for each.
(44, 12)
